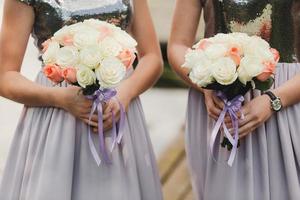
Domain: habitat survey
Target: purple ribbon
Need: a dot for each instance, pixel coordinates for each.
(231, 107)
(99, 97)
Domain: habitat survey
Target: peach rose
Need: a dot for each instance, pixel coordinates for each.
(127, 57)
(234, 54)
(268, 71)
(276, 55)
(53, 72)
(69, 74)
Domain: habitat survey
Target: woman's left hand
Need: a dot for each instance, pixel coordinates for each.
(256, 112)
(113, 105)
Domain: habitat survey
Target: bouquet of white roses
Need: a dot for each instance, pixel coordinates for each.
(96, 56)
(92, 54)
(231, 64)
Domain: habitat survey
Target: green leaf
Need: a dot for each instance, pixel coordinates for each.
(264, 85)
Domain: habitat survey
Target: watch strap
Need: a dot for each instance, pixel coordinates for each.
(271, 95)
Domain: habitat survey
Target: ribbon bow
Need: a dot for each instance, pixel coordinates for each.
(99, 97)
(231, 107)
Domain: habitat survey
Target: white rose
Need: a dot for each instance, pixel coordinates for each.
(86, 37)
(79, 27)
(61, 34)
(109, 47)
(111, 72)
(49, 57)
(259, 48)
(124, 39)
(241, 39)
(224, 71)
(85, 76)
(222, 38)
(201, 74)
(216, 51)
(249, 68)
(90, 56)
(67, 56)
(94, 23)
(192, 57)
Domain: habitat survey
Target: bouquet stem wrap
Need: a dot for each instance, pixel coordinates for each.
(99, 97)
(231, 107)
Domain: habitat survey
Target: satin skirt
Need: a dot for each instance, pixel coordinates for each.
(267, 164)
(50, 159)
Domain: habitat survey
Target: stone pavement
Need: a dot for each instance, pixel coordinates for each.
(164, 108)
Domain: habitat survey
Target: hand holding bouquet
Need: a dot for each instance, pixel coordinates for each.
(95, 56)
(231, 64)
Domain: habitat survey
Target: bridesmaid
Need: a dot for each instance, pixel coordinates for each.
(50, 157)
(268, 159)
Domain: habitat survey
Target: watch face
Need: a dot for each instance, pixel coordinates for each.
(276, 104)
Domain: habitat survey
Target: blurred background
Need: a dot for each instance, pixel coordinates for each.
(164, 107)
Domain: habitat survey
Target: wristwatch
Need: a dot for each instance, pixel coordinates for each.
(276, 103)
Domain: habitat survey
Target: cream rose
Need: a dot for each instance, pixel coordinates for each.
(85, 76)
(224, 71)
(201, 74)
(124, 39)
(67, 56)
(259, 48)
(193, 57)
(97, 24)
(216, 51)
(250, 67)
(111, 72)
(86, 37)
(90, 56)
(110, 47)
(49, 57)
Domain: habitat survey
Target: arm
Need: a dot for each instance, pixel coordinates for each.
(15, 31)
(184, 28)
(150, 64)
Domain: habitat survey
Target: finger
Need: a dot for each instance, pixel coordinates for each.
(247, 128)
(229, 125)
(94, 118)
(218, 102)
(227, 119)
(107, 123)
(215, 117)
(213, 110)
(108, 108)
(106, 116)
(95, 130)
(247, 119)
(91, 123)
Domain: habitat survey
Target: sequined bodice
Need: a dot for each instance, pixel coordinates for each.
(277, 21)
(51, 15)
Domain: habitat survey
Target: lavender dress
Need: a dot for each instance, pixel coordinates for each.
(267, 165)
(50, 158)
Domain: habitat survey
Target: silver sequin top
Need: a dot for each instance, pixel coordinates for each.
(51, 15)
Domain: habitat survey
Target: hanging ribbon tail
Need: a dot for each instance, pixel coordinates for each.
(102, 146)
(231, 107)
(113, 132)
(90, 140)
(100, 96)
(121, 124)
(235, 143)
(216, 130)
